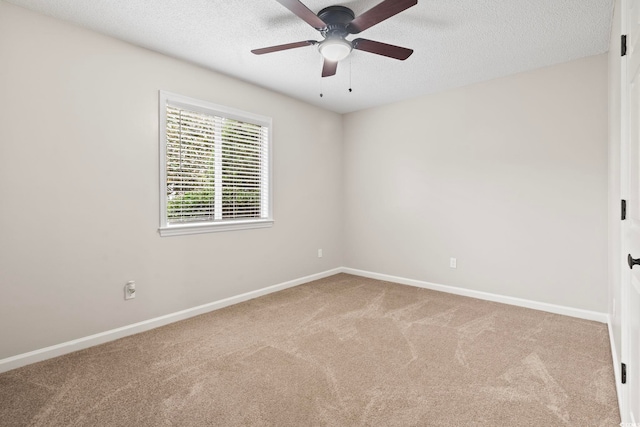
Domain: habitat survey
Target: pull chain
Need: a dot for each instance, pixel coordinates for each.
(350, 66)
(321, 78)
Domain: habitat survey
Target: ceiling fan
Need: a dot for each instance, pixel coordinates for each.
(335, 23)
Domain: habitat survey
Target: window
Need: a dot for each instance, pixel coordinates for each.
(214, 167)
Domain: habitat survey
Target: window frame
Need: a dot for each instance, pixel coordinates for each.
(209, 108)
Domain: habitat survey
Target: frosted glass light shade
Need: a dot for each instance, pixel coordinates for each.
(335, 49)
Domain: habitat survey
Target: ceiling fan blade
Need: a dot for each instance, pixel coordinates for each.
(329, 68)
(283, 47)
(383, 49)
(379, 13)
(304, 13)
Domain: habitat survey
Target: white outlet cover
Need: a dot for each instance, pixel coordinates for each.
(130, 290)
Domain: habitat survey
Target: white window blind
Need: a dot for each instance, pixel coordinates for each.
(215, 167)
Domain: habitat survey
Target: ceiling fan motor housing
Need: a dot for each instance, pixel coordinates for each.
(337, 18)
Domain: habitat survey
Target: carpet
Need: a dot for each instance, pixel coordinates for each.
(341, 351)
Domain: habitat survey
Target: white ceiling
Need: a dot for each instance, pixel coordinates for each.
(455, 42)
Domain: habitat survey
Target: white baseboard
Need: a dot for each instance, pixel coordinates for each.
(542, 306)
(19, 360)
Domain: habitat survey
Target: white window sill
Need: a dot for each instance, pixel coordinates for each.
(181, 229)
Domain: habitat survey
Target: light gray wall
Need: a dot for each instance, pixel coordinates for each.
(508, 176)
(79, 187)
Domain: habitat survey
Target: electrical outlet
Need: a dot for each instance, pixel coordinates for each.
(453, 263)
(130, 290)
(319, 253)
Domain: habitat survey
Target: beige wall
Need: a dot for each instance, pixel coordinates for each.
(508, 176)
(79, 186)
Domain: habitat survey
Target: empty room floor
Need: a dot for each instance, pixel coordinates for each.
(341, 351)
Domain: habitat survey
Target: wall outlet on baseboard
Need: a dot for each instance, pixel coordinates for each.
(130, 290)
(453, 263)
(319, 253)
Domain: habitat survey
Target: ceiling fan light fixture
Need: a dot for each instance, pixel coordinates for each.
(335, 49)
(335, 23)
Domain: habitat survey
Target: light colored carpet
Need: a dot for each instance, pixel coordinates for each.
(342, 351)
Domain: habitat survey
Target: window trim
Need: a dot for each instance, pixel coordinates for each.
(206, 107)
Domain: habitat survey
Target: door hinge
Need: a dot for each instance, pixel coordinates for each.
(623, 373)
(623, 209)
(623, 45)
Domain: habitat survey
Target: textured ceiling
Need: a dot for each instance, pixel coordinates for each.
(455, 42)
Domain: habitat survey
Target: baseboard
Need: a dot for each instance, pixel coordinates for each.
(616, 364)
(19, 360)
(536, 305)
